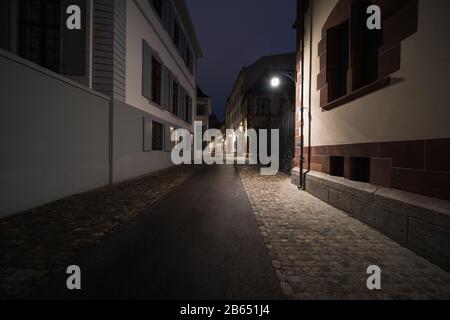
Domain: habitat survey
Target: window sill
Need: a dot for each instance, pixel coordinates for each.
(374, 86)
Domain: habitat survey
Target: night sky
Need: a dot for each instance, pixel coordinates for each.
(234, 34)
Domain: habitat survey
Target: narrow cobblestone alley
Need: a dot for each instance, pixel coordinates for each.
(192, 234)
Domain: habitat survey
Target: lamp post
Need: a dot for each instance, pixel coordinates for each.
(275, 82)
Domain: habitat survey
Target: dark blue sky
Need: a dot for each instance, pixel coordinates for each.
(235, 33)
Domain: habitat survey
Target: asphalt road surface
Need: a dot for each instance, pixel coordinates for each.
(201, 241)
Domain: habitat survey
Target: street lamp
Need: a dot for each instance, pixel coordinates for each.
(275, 82)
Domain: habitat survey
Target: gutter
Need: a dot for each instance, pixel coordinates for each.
(310, 91)
(302, 117)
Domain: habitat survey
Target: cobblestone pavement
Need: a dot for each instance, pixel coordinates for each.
(35, 243)
(320, 252)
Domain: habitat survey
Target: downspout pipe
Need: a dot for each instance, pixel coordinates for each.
(311, 5)
(302, 106)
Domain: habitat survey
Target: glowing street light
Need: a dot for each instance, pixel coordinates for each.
(275, 82)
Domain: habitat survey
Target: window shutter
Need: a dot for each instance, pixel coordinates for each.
(147, 132)
(167, 139)
(146, 70)
(168, 91)
(171, 79)
(164, 87)
(183, 46)
(189, 117)
(182, 103)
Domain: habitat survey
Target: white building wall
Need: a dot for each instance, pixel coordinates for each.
(130, 159)
(144, 24)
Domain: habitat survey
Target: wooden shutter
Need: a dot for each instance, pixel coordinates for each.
(183, 46)
(171, 80)
(168, 92)
(182, 108)
(164, 83)
(167, 139)
(146, 70)
(189, 116)
(147, 135)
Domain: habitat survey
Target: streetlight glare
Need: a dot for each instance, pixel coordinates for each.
(275, 82)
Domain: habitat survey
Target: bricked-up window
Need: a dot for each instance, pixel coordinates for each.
(157, 136)
(156, 80)
(158, 7)
(40, 34)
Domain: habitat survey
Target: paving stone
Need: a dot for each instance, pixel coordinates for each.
(333, 250)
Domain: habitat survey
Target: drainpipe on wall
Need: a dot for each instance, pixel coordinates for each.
(310, 91)
(302, 107)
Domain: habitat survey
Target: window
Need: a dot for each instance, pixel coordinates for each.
(157, 136)
(158, 6)
(156, 80)
(365, 54)
(263, 107)
(175, 97)
(40, 40)
(355, 61)
(338, 49)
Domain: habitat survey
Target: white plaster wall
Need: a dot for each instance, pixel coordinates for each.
(415, 108)
(54, 136)
(130, 161)
(139, 28)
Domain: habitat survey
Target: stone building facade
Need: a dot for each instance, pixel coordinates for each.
(372, 131)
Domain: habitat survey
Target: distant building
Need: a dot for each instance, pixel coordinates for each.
(203, 111)
(255, 104)
(84, 108)
(214, 122)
